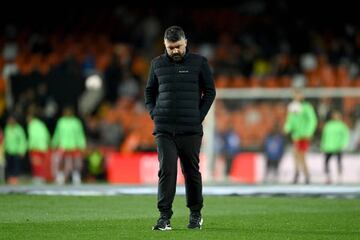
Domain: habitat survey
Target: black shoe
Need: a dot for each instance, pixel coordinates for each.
(163, 224)
(195, 221)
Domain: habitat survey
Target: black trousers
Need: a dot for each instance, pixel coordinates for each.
(187, 148)
(13, 165)
(272, 165)
(327, 160)
(229, 158)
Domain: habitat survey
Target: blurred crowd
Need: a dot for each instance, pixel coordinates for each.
(97, 60)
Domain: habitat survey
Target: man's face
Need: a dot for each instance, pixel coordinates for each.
(176, 50)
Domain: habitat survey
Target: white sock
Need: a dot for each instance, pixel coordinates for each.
(60, 178)
(76, 178)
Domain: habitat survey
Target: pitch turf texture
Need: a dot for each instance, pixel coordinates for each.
(131, 217)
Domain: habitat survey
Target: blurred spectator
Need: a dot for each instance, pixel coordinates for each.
(94, 169)
(15, 149)
(92, 130)
(150, 31)
(10, 49)
(38, 145)
(111, 132)
(42, 94)
(301, 124)
(129, 88)
(227, 144)
(335, 138)
(274, 148)
(92, 96)
(323, 108)
(88, 65)
(113, 78)
(69, 140)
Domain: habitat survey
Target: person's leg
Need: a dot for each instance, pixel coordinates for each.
(11, 177)
(267, 170)
(167, 155)
(68, 165)
(37, 166)
(327, 170)
(297, 165)
(228, 164)
(273, 171)
(18, 165)
(276, 170)
(189, 150)
(58, 166)
(340, 168)
(77, 167)
(7, 167)
(303, 148)
(15, 169)
(303, 166)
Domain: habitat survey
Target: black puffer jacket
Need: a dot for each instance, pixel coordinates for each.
(178, 95)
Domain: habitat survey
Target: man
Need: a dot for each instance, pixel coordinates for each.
(15, 146)
(227, 145)
(334, 139)
(178, 95)
(39, 140)
(274, 148)
(69, 140)
(301, 123)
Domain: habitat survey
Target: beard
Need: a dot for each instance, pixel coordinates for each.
(177, 57)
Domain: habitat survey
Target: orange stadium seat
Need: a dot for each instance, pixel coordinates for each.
(255, 82)
(327, 76)
(271, 82)
(222, 81)
(285, 81)
(313, 79)
(356, 82)
(342, 76)
(240, 82)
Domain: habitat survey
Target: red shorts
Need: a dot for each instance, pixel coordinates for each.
(38, 163)
(302, 145)
(34, 154)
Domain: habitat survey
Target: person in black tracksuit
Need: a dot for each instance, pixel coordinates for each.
(178, 95)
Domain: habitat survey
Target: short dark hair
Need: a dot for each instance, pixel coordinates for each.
(174, 33)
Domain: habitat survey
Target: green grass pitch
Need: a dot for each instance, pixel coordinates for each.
(131, 217)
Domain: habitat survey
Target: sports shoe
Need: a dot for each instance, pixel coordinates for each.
(195, 221)
(163, 224)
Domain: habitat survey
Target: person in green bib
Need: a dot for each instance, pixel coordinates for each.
(334, 139)
(301, 122)
(38, 142)
(15, 147)
(69, 141)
